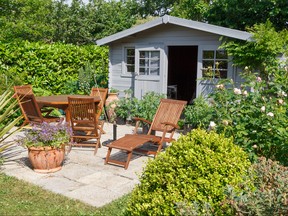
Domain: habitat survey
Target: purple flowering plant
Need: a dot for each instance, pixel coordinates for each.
(45, 134)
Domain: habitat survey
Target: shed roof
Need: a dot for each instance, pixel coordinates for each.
(232, 33)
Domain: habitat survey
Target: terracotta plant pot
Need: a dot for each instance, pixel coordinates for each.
(110, 108)
(46, 159)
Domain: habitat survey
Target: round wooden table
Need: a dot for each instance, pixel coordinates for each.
(60, 102)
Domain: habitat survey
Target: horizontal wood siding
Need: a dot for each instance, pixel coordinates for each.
(167, 35)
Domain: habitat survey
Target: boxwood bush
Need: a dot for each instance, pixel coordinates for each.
(193, 171)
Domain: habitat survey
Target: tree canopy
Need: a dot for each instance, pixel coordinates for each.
(78, 23)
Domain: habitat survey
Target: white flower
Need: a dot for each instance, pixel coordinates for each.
(254, 146)
(280, 101)
(270, 114)
(282, 94)
(212, 125)
(246, 68)
(263, 109)
(245, 93)
(237, 91)
(258, 79)
(220, 86)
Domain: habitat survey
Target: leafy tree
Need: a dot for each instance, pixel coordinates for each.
(191, 9)
(240, 14)
(26, 20)
(262, 53)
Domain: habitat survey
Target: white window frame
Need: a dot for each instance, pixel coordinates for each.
(214, 60)
(124, 61)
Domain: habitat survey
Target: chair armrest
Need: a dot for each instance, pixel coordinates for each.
(171, 124)
(141, 119)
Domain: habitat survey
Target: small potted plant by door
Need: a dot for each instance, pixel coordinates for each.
(46, 146)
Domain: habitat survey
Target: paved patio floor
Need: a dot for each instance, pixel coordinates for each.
(83, 175)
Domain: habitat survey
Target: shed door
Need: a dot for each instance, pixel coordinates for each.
(149, 70)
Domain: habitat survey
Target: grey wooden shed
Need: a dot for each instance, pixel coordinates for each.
(170, 55)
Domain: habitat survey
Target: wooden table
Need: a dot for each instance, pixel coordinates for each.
(60, 102)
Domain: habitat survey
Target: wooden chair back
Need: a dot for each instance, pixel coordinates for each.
(24, 89)
(84, 122)
(29, 108)
(100, 92)
(169, 110)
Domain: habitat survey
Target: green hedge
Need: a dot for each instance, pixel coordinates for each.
(191, 176)
(50, 67)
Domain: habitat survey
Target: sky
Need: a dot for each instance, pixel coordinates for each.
(84, 1)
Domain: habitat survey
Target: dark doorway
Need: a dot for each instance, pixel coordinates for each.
(182, 72)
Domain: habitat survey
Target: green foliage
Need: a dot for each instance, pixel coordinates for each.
(191, 9)
(8, 107)
(240, 14)
(256, 119)
(194, 169)
(51, 67)
(52, 21)
(126, 107)
(148, 105)
(269, 195)
(91, 76)
(199, 113)
(261, 53)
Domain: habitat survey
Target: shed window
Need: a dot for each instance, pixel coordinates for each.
(130, 60)
(215, 63)
(149, 62)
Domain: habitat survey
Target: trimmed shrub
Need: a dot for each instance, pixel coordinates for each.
(270, 195)
(195, 170)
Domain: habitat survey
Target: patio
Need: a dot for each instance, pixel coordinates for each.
(84, 176)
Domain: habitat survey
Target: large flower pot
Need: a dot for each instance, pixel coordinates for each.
(110, 106)
(46, 159)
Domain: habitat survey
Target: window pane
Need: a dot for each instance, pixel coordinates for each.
(144, 54)
(223, 74)
(208, 64)
(130, 68)
(130, 52)
(130, 60)
(154, 71)
(155, 63)
(143, 71)
(221, 54)
(155, 54)
(222, 65)
(144, 63)
(208, 54)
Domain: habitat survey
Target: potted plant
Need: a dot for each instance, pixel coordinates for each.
(46, 146)
(110, 103)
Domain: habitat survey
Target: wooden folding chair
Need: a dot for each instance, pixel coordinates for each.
(102, 93)
(164, 122)
(84, 122)
(31, 111)
(27, 89)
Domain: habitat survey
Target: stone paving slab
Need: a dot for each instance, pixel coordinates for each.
(84, 175)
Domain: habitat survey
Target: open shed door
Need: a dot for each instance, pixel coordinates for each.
(149, 67)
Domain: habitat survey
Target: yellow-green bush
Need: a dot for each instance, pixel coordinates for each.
(192, 173)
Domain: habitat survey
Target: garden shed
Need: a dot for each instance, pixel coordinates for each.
(170, 55)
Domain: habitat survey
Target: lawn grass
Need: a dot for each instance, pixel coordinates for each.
(21, 198)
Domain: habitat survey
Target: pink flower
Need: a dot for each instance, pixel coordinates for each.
(245, 93)
(258, 79)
